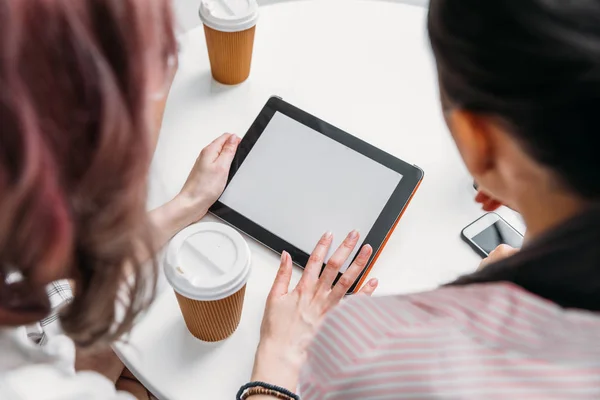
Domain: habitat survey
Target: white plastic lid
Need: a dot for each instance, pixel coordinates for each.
(229, 15)
(207, 261)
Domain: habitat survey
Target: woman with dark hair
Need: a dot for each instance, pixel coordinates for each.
(520, 89)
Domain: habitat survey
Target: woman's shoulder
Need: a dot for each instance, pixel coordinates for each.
(498, 315)
(449, 302)
(29, 371)
(483, 335)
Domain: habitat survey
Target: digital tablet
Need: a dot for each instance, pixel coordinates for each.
(295, 177)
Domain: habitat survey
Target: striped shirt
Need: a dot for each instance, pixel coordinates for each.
(482, 341)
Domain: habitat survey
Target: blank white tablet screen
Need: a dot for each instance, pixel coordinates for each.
(298, 184)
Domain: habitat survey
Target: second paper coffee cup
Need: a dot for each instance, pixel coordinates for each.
(229, 27)
(208, 266)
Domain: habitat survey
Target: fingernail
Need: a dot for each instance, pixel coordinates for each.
(327, 235)
(353, 235)
(373, 282)
(284, 256)
(365, 250)
(233, 139)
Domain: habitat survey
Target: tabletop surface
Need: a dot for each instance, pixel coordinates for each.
(364, 66)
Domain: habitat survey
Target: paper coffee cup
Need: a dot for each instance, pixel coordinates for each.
(208, 265)
(229, 27)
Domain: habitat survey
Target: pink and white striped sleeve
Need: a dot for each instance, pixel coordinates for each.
(492, 341)
(350, 341)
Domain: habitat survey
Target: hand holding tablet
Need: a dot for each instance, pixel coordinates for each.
(295, 176)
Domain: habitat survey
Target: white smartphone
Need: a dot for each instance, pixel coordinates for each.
(489, 232)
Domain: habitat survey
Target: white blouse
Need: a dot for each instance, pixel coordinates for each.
(32, 372)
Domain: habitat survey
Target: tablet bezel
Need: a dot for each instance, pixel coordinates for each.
(387, 219)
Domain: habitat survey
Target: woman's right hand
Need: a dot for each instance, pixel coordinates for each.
(292, 318)
(499, 253)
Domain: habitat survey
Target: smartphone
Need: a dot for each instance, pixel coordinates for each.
(489, 232)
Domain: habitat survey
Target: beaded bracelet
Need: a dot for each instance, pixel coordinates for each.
(259, 390)
(256, 388)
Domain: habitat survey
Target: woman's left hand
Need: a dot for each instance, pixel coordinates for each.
(203, 187)
(208, 177)
(292, 317)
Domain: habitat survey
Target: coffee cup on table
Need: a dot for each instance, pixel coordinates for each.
(229, 27)
(208, 266)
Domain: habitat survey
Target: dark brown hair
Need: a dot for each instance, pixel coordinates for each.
(75, 150)
(535, 66)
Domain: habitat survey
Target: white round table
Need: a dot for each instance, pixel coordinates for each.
(363, 66)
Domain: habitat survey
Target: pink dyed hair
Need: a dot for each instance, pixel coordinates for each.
(75, 150)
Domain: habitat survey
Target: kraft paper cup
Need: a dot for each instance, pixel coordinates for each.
(200, 316)
(229, 27)
(208, 265)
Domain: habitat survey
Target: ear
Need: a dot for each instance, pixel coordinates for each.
(474, 138)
